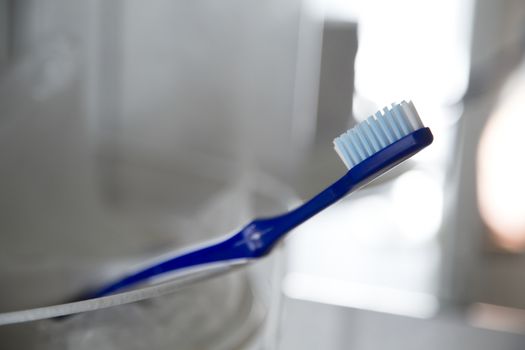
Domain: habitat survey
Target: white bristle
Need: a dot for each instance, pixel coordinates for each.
(370, 136)
(412, 114)
(376, 129)
(390, 137)
(391, 122)
(377, 132)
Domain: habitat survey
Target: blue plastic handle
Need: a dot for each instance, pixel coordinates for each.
(260, 236)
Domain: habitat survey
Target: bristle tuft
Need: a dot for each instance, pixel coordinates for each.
(377, 132)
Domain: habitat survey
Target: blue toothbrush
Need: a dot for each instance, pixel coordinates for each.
(368, 150)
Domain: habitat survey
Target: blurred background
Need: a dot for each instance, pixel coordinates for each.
(130, 128)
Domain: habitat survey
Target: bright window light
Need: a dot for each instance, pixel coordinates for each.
(417, 200)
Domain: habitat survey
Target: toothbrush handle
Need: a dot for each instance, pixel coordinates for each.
(255, 240)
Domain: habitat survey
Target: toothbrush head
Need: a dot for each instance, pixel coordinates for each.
(371, 138)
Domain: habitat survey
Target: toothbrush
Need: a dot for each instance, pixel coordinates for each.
(368, 150)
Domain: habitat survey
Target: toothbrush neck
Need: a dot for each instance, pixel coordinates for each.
(276, 227)
(324, 199)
